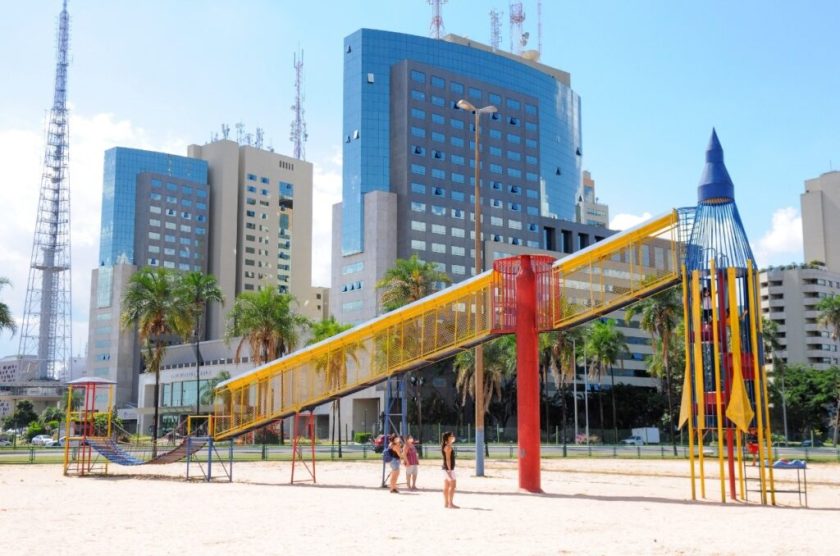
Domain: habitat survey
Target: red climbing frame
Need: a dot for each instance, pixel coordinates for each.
(297, 447)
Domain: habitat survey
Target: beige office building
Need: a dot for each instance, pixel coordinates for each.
(588, 209)
(821, 220)
(261, 226)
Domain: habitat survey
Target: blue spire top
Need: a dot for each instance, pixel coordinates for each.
(715, 184)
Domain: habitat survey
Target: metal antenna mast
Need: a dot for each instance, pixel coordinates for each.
(46, 331)
(495, 29)
(298, 135)
(539, 27)
(437, 19)
(517, 16)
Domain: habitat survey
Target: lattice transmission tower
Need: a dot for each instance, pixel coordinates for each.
(436, 27)
(46, 330)
(496, 29)
(298, 135)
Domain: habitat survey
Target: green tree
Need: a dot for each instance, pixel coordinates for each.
(409, 280)
(811, 395)
(51, 417)
(6, 319)
(659, 316)
(195, 290)
(772, 347)
(604, 344)
(152, 306)
(499, 369)
(22, 415)
(557, 359)
(334, 364)
(829, 308)
(266, 321)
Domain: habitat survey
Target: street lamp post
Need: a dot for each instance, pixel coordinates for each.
(479, 351)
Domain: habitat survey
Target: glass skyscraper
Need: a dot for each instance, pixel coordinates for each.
(119, 195)
(404, 134)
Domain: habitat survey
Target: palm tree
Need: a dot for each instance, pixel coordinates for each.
(605, 343)
(208, 392)
(409, 280)
(151, 305)
(266, 321)
(829, 308)
(499, 367)
(335, 364)
(772, 347)
(557, 358)
(195, 290)
(6, 319)
(660, 314)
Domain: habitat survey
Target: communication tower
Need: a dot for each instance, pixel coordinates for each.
(495, 29)
(436, 26)
(517, 38)
(298, 135)
(46, 331)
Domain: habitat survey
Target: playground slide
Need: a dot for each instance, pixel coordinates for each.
(582, 286)
(111, 451)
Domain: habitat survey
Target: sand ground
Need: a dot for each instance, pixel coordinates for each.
(589, 506)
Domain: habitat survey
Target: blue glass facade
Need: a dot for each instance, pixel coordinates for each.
(119, 189)
(369, 104)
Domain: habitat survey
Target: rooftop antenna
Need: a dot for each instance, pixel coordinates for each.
(495, 29)
(517, 39)
(539, 27)
(46, 332)
(225, 131)
(240, 132)
(437, 20)
(298, 135)
(258, 141)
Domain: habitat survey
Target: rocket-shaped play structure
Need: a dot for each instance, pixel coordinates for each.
(724, 399)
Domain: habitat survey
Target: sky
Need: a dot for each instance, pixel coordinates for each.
(654, 77)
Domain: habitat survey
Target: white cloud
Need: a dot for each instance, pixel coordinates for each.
(326, 192)
(20, 175)
(624, 221)
(782, 243)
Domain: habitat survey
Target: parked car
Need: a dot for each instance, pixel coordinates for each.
(633, 441)
(41, 440)
(5, 443)
(808, 444)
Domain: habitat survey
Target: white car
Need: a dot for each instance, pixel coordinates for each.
(41, 440)
(633, 441)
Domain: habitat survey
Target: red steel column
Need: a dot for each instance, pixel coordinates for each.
(527, 378)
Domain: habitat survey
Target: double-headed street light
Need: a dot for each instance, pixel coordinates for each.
(479, 351)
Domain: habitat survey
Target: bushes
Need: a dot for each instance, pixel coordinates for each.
(362, 437)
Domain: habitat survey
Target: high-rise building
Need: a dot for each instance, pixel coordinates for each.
(587, 208)
(408, 157)
(789, 297)
(820, 222)
(790, 294)
(155, 212)
(261, 226)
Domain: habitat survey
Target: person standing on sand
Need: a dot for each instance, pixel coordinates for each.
(411, 463)
(448, 452)
(395, 453)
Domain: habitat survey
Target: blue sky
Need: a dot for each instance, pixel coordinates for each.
(654, 77)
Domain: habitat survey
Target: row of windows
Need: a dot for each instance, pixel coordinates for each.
(186, 228)
(153, 261)
(285, 189)
(169, 238)
(185, 189)
(253, 177)
(455, 231)
(473, 92)
(154, 209)
(174, 200)
(460, 161)
(456, 141)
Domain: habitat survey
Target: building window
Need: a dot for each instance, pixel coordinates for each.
(438, 82)
(370, 78)
(438, 137)
(438, 229)
(495, 99)
(418, 76)
(418, 245)
(456, 87)
(417, 113)
(154, 236)
(418, 188)
(252, 177)
(438, 248)
(154, 222)
(456, 141)
(457, 178)
(457, 251)
(418, 131)
(438, 119)
(418, 169)
(439, 174)
(458, 269)
(438, 101)
(418, 226)
(457, 196)
(456, 232)
(418, 207)
(475, 93)
(457, 124)
(514, 172)
(418, 95)
(438, 192)
(496, 168)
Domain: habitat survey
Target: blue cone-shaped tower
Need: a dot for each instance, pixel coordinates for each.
(717, 232)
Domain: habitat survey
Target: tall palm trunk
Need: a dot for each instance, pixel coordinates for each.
(157, 411)
(612, 392)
